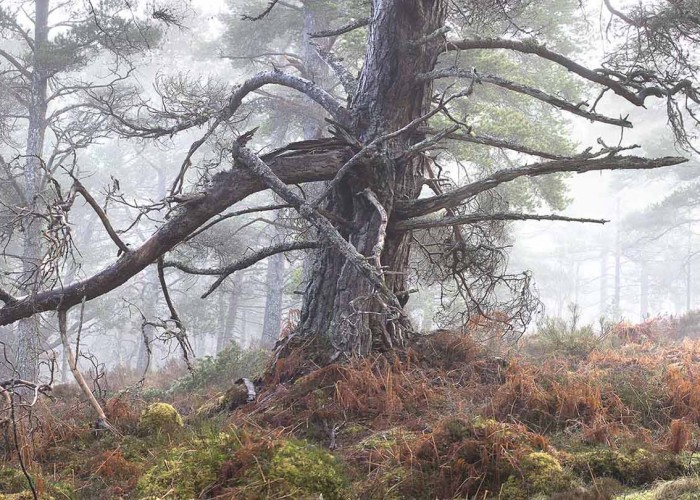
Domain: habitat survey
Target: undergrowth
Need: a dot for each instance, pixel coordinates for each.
(574, 413)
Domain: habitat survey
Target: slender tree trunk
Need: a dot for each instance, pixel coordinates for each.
(604, 280)
(341, 308)
(689, 273)
(226, 336)
(273, 305)
(618, 266)
(27, 348)
(643, 288)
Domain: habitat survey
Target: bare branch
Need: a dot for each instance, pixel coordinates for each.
(488, 140)
(264, 13)
(347, 28)
(102, 422)
(78, 186)
(181, 333)
(237, 213)
(244, 263)
(383, 222)
(325, 228)
(23, 70)
(426, 206)
(431, 221)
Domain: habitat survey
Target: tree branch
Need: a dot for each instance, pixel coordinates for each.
(315, 161)
(426, 206)
(532, 47)
(347, 28)
(244, 263)
(24, 71)
(237, 213)
(530, 91)
(430, 221)
(268, 9)
(78, 186)
(488, 140)
(307, 87)
(102, 422)
(325, 228)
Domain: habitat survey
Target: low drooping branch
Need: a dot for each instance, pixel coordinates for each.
(347, 28)
(244, 263)
(181, 332)
(530, 91)
(425, 206)
(431, 221)
(315, 161)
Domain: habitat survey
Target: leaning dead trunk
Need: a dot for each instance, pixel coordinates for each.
(101, 422)
(341, 306)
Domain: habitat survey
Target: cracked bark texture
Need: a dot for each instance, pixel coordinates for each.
(340, 305)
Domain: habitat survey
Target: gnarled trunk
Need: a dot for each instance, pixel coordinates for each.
(340, 305)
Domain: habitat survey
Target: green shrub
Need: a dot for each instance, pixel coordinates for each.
(222, 370)
(562, 336)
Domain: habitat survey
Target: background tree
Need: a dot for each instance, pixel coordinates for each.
(47, 47)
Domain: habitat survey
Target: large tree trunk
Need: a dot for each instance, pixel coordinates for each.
(27, 349)
(341, 307)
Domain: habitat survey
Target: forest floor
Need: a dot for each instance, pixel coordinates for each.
(567, 414)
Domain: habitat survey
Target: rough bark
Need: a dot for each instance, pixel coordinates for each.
(340, 305)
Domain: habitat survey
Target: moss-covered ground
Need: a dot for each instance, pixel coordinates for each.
(574, 417)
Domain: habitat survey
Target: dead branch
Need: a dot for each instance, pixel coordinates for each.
(181, 332)
(347, 28)
(312, 161)
(426, 206)
(324, 226)
(102, 422)
(381, 237)
(430, 221)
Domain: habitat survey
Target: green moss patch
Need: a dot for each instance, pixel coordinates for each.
(160, 418)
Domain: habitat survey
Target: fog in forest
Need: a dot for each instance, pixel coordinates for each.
(350, 249)
(640, 264)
